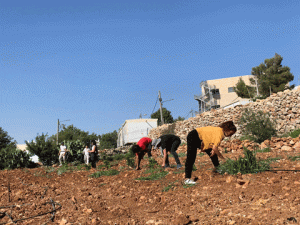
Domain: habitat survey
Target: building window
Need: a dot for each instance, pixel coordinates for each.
(230, 90)
(215, 91)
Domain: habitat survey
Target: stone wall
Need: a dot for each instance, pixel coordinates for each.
(284, 108)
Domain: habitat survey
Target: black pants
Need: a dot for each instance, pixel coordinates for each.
(173, 150)
(193, 143)
(93, 159)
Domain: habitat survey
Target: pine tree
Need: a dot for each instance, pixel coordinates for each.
(271, 74)
(243, 90)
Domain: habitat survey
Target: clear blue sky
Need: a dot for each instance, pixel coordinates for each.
(98, 63)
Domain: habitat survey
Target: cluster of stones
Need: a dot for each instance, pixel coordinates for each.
(283, 107)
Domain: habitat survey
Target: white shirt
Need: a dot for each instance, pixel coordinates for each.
(86, 151)
(63, 148)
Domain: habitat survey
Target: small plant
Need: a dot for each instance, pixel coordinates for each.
(152, 163)
(64, 168)
(225, 150)
(105, 173)
(201, 154)
(257, 124)
(181, 154)
(295, 133)
(130, 158)
(248, 164)
(154, 176)
(167, 188)
(294, 158)
(194, 168)
(263, 150)
(179, 171)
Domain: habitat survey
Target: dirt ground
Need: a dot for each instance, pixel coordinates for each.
(75, 198)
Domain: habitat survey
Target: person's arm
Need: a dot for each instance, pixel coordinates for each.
(93, 149)
(165, 157)
(216, 151)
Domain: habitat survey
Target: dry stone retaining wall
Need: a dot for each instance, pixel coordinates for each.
(284, 108)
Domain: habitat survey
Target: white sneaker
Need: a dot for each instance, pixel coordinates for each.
(189, 181)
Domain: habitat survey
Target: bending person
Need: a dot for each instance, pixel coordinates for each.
(207, 139)
(140, 149)
(168, 143)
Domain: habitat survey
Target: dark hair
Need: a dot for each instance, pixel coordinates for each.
(228, 126)
(135, 148)
(62, 143)
(93, 142)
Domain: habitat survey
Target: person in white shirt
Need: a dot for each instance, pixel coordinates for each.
(86, 155)
(62, 153)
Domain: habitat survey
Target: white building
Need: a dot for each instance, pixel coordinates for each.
(133, 130)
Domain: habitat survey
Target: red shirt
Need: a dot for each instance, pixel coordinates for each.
(143, 142)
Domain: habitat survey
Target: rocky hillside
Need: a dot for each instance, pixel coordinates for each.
(284, 108)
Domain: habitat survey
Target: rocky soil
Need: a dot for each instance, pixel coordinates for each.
(75, 198)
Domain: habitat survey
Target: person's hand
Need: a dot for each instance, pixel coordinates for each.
(212, 153)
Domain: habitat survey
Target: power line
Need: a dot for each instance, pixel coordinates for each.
(154, 107)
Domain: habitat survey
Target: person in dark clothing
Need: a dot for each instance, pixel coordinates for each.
(207, 139)
(93, 154)
(168, 143)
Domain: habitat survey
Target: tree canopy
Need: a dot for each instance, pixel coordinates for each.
(6, 140)
(271, 74)
(168, 118)
(72, 133)
(242, 90)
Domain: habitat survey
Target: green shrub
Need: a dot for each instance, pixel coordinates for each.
(129, 156)
(248, 164)
(295, 133)
(257, 124)
(44, 148)
(167, 188)
(152, 163)
(12, 158)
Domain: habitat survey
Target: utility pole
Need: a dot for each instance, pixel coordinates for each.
(160, 103)
(257, 93)
(58, 129)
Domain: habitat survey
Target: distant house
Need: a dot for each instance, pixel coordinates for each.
(219, 93)
(133, 130)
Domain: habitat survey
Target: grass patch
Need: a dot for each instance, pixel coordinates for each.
(269, 160)
(152, 163)
(201, 154)
(248, 164)
(294, 158)
(188, 185)
(154, 176)
(153, 170)
(179, 171)
(263, 150)
(105, 173)
(181, 154)
(63, 169)
(295, 133)
(83, 166)
(169, 187)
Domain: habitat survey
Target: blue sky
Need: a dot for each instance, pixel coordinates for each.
(98, 63)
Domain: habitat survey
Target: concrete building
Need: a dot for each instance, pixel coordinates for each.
(133, 130)
(219, 93)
